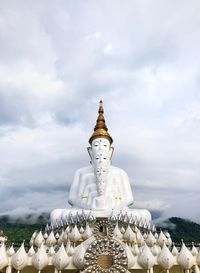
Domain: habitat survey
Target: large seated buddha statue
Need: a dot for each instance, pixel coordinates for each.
(101, 187)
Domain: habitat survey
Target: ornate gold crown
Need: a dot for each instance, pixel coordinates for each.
(100, 130)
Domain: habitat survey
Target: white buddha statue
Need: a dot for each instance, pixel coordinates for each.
(100, 187)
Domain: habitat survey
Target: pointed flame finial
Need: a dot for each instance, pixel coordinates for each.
(100, 130)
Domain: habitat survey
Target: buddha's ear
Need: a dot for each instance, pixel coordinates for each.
(111, 152)
(89, 149)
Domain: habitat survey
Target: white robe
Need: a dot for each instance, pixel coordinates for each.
(83, 193)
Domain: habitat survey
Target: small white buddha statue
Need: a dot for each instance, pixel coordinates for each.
(3, 238)
(100, 187)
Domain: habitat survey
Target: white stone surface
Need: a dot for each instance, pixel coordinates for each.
(20, 258)
(146, 258)
(166, 259)
(61, 259)
(3, 257)
(185, 258)
(40, 259)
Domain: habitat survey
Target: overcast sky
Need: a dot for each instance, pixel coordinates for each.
(59, 58)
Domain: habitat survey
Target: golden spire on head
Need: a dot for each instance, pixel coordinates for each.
(100, 130)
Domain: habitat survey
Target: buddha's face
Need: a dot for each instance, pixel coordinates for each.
(100, 144)
(101, 158)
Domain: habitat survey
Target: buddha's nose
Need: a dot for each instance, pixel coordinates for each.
(100, 159)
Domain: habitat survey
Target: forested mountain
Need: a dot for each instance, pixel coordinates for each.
(183, 229)
(19, 229)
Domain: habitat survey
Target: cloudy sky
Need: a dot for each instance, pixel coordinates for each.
(59, 58)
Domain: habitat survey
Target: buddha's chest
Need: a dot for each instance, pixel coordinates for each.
(111, 184)
(109, 179)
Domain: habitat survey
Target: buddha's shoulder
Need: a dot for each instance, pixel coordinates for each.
(117, 170)
(84, 170)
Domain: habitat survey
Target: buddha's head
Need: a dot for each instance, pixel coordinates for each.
(101, 153)
(101, 150)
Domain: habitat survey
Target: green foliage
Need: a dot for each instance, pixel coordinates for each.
(184, 229)
(16, 233)
(21, 229)
(181, 229)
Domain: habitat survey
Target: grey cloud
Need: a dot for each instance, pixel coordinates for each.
(164, 223)
(13, 107)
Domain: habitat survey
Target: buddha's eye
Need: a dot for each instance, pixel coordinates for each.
(105, 158)
(105, 145)
(96, 145)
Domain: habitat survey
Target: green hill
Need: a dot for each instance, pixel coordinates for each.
(184, 229)
(22, 228)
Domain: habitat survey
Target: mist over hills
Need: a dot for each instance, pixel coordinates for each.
(27, 219)
(21, 227)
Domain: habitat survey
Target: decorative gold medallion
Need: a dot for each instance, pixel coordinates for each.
(106, 255)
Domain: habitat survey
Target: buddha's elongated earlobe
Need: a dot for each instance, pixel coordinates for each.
(89, 149)
(111, 151)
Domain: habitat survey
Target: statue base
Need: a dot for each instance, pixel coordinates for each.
(134, 215)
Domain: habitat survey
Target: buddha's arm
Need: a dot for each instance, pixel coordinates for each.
(74, 188)
(127, 187)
